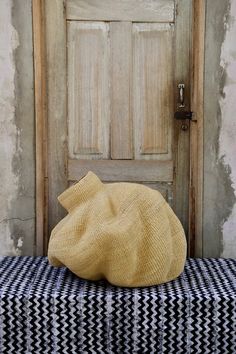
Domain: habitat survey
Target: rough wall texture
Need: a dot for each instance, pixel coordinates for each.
(227, 141)
(17, 211)
(219, 197)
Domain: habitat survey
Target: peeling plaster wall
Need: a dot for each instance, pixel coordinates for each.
(227, 140)
(219, 217)
(8, 131)
(17, 189)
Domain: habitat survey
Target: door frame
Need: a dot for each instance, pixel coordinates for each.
(44, 212)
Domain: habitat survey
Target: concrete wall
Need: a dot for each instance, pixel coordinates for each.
(219, 213)
(17, 188)
(17, 172)
(227, 140)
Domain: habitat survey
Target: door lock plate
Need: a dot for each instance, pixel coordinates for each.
(184, 115)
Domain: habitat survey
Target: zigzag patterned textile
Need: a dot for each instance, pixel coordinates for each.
(49, 310)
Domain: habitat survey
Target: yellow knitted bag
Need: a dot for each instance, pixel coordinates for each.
(123, 232)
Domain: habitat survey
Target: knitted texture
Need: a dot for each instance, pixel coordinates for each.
(123, 232)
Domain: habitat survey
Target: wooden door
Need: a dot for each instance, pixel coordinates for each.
(113, 69)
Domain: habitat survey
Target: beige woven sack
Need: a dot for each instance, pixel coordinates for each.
(124, 232)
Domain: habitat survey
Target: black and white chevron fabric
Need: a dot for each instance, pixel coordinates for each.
(49, 310)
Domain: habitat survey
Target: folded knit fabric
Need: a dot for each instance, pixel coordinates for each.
(123, 232)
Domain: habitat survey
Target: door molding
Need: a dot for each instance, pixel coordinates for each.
(40, 93)
(196, 130)
(51, 127)
(181, 146)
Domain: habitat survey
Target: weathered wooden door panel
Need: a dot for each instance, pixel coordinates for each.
(121, 95)
(165, 189)
(153, 82)
(120, 90)
(115, 84)
(121, 10)
(123, 170)
(88, 89)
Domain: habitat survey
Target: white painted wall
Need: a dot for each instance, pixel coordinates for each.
(227, 141)
(8, 130)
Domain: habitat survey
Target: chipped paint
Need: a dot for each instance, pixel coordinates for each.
(22, 210)
(227, 139)
(17, 189)
(8, 131)
(218, 196)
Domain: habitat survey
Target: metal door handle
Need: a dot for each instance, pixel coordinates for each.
(181, 95)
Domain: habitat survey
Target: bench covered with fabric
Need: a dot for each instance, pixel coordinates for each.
(50, 310)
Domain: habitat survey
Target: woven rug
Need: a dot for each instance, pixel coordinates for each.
(49, 310)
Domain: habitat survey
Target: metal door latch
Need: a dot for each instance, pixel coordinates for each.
(184, 115)
(181, 95)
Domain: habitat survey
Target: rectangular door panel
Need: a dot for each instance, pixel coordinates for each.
(164, 188)
(122, 170)
(153, 77)
(88, 89)
(120, 90)
(121, 10)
